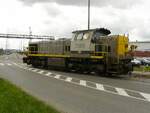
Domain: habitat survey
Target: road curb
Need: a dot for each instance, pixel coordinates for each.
(141, 74)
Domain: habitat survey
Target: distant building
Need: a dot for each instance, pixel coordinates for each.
(142, 45)
(1, 51)
(143, 48)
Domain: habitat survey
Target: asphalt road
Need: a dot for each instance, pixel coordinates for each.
(78, 93)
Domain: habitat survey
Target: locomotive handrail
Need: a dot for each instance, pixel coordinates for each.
(101, 52)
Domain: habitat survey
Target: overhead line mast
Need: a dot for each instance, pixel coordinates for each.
(24, 36)
(89, 3)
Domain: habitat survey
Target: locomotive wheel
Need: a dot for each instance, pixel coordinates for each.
(45, 63)
(34, 65)
(79, 70)
(100, 70)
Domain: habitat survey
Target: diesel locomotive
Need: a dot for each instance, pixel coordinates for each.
(93, 50)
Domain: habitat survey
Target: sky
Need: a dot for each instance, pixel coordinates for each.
(60, 17)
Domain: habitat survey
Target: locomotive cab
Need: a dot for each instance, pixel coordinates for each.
(109, 51)
(83, 42)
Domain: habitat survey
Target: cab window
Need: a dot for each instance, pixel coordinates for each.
(74, 36)
(85, 36)
(97, 35)
(80, 36)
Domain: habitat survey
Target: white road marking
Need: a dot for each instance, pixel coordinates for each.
(20, 66)
(1, 64)
(100, 86)
(30, 69)
(147, 96)
(23, 64)
(9, 64)
(68, 79)
(41, 72)
(57, 76)
(35, 70)
(83, 82)
(15, 64)
(25, 68)
(48, 74)
(121, 92)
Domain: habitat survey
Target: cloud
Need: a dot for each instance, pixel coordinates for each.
(53, 10)
(61, 17)
(98, 3)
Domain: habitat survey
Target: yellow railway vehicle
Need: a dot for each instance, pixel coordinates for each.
(92, 50)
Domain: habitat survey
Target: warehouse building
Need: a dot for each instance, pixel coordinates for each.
(143, 48)
(142, 45)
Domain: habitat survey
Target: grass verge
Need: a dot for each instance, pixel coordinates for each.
(142, 68)
(14, 100)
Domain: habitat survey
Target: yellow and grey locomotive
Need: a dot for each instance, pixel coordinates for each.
(92, 50)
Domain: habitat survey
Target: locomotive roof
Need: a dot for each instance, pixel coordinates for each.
(47, 41)
(102, 30)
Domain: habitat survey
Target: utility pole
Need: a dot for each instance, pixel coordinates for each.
(6, 46)
(30, 33)
(89, 3)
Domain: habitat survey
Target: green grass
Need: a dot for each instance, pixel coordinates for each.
(142, 68)
(14, 100)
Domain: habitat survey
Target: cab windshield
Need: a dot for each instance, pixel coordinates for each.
(81, 36)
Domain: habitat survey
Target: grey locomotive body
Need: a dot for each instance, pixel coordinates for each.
(92, 50)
